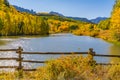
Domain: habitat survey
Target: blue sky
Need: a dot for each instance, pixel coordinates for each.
(77, 8)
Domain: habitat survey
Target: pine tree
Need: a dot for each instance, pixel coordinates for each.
(6, 3)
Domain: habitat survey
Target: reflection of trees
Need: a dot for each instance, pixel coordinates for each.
(2, 42)
(115, 50)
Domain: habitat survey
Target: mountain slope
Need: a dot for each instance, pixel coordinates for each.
(80, 19)
(98, 19)
(24, 10)
(52, 13)
(110, 28)
(56, 13)
(13, 22)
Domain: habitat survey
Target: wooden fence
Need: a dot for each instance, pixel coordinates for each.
(20, 59)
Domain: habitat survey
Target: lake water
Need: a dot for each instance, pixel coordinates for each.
(56, 43)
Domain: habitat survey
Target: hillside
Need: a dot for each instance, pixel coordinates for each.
(98, 19)
(56, 13)
(52, 13)
(115, 21)
(59, 23)
(13, 22)
(80, 19)
(24, 10)
(63, 24)
(110, 28)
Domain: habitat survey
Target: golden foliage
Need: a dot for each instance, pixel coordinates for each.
(115, 22)
(13, 22)
(68, 68)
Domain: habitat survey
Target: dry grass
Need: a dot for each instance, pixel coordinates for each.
(69, 68)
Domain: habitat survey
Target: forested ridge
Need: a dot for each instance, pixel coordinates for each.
(13, 22)
(60, 24)
(110, 28)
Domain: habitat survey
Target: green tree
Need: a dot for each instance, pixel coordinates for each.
(104, 24)
(6, 3)
(73, 27)
(20, 27)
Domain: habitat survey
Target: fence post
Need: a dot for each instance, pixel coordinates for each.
(91, 54)
(20, 67)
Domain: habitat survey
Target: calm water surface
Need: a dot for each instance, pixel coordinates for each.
(56, 43)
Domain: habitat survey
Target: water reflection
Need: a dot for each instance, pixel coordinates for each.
(115, 50)
(2, 42)
(57, 43)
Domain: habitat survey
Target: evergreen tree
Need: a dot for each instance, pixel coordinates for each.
(6, 3)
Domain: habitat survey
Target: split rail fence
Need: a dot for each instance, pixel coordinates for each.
(20, 59)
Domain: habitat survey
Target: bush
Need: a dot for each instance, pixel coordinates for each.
(114, 73)
(69, 68)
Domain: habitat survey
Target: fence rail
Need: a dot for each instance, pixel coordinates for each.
(55, 53)
(9, 58)
(8, 49)
(33, 61)
(102, 55)
(20, 52)
(8, 66)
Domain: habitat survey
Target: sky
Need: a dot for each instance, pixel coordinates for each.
(76, 8)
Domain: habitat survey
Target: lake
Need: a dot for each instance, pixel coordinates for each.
(56, 43)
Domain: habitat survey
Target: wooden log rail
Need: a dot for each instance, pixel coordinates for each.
(8, 50)
(8, 58)
(20, 52)
(55, 53)
(103, 55)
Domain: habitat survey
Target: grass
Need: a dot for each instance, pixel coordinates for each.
(68, 68)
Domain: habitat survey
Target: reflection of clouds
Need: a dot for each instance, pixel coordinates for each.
(57, 43)
(14, 44)
(8, 63)
(18, 43)
(24, 43)
(8, 54)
